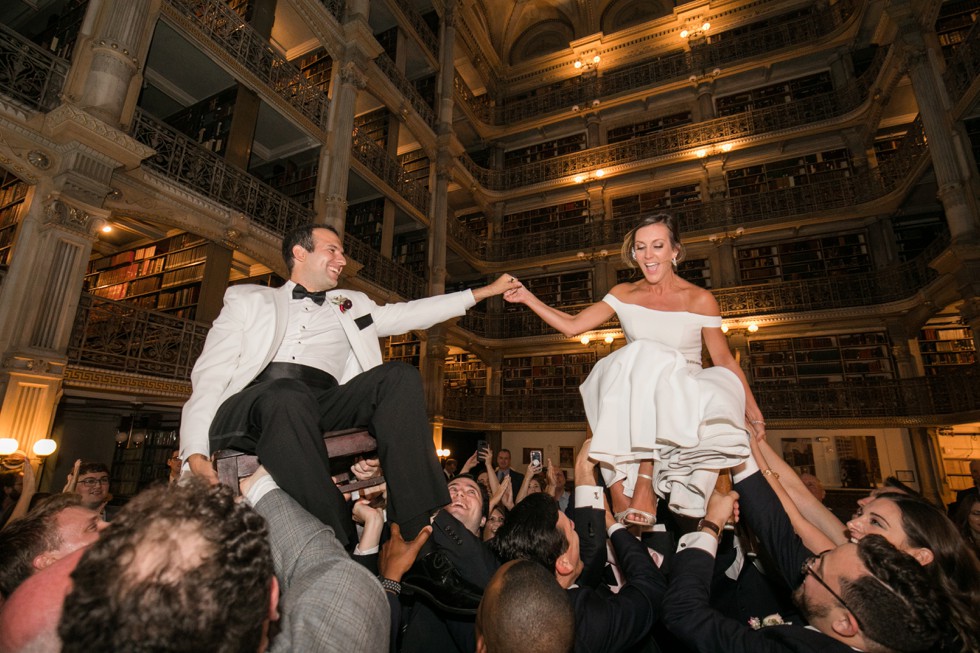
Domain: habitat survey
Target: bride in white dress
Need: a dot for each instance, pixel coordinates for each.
(660, 423)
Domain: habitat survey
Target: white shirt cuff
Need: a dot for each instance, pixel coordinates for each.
(259, 489)
(615, 527)
(371, 551)
(699, 540)
(589, 496)
(751, 467)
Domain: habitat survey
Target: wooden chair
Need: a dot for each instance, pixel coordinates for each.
(232, 465)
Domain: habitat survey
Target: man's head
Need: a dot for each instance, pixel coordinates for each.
(450, 465)
(466, 503)
(536, 530)
(11, 483)
(174, 463)
(503, 459)
(92, 484)
(814, 485)
(314, 254)
(523, 609)
(975, 471)
(872, 596)
(560, 481)
(190, 556)
(56, 528)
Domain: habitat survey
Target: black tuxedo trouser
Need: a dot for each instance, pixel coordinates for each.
(285, 422)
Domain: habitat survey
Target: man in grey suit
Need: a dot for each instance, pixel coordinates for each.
(282, 365)
(187, 569)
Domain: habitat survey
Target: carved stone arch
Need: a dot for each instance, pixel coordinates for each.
(621, 14)
(540, 39)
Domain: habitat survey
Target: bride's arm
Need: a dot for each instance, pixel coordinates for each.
(569, 325)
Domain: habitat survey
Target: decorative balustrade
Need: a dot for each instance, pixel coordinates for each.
(218, 22)
(377, 160)
(184, 160)
(406, 88)
(963, 66)
(336, 8)
(421, 28)
(685, 137)
(118, 336)
(458, 232)
(903, 400)
(30, 75)
(721, 51)
(383, 271)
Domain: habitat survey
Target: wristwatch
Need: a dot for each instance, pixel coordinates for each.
(704, 524)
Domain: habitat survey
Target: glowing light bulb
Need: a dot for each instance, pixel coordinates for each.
(45, 447)
(701, 153)
(585, 340)
(608, 339)
(752, 328)
(727, 147)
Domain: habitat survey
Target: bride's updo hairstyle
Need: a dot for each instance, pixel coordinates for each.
(669, 221)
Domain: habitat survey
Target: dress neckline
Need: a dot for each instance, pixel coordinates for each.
(657, 310)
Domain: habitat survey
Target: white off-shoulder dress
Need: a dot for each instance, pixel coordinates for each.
(652, 399)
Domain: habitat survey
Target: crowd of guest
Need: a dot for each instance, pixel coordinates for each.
(542, 566)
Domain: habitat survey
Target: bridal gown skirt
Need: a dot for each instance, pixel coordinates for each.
(647, 401)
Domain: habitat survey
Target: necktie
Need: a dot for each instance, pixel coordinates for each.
(299, 292)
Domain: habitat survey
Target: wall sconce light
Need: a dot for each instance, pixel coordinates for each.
(608, 339)
(752, 327)
(42, 449)
(718, 239)
(443, 454)
(724, 328)
(107, 229)
(702, 152)
(592, 176)
(8, 446)
(587, 63)
(585, 340)
(593, 256)
(695, 31)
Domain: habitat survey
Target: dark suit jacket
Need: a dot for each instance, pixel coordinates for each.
(960, 495)
(614, 622)
(516, 478)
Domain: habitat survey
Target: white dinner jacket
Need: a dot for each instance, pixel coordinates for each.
(250, 328)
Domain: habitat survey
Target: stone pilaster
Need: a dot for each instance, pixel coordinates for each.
(331, 200)
(433, 374)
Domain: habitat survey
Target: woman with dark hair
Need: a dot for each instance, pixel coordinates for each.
(651, 400)
(917, 527)
(498, 514)
(967, 520)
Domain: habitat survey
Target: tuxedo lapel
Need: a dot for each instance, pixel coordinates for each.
(367, 356)
(280, 320)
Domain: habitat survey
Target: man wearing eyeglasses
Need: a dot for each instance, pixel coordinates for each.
(867, 596)
(92, 485)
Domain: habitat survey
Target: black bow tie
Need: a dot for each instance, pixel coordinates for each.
(299, 292)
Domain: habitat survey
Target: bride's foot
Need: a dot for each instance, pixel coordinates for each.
(642, 508)
(620, 502)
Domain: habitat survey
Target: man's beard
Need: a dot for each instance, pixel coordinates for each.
(809, 609)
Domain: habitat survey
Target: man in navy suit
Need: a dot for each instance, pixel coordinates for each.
(867, 596)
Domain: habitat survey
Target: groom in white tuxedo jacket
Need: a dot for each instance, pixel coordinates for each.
(280, 366)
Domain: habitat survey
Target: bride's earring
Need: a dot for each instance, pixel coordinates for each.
(633, 254)
(673, 261)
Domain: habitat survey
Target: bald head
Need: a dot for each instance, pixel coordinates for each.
(524, 609)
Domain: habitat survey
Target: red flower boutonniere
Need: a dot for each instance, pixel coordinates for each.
(342, 303)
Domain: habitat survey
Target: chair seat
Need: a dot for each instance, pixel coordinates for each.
(232, 465)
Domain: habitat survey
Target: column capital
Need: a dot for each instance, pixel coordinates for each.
(80, 219)
(351, 73)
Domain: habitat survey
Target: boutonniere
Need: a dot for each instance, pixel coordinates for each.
(771, 620)
(342, 303)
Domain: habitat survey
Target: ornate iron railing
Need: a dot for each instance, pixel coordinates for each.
(383, 271)
(421, 28)
(685, 137)
(406, 88)
(184, 160)
(678, 65)
(218, 22)
(336, 8)
(963, 67)
(118, 336)
(377, 160)
(30, 75)
(903, 400)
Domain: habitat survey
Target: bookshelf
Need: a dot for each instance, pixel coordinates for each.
(656, 200)
(568, 214)
(465, 374)
(781, 93)
(13, 191)
(296, 181)
(955, 20)
(173, 275)
(405, 348)
(944, 348)
(798, 171)
(695, 270)
(411, 251)
(208, 121)
(374, 125)
(316, 66)
(60, 37)
(544, 150)
(388, 40)
(821, 359)
(913, 233)
(554, 374)
(636, 130)
(426, 86)
(365, 221)
(886, 144)
(475, 222)
(804, 259)
(138, 466)
(565, 289)
(415, 165)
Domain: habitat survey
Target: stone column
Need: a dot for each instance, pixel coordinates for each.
(105, 77)
(928, 463)
(593, 133)
(433, 374)
(335, 159)
(705, 108)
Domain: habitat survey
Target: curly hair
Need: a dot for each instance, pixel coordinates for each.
(182, 568)
(898, 604)
(629, 241)
(301, 235)
(23, 540)
(954, 566)
(531, 532)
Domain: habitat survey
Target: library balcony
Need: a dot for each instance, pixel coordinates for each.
(407, 89)
(422, 32)
(725, 49)
(963, 71)
(387, 169)
(383, 271)
(30, 75)
(216, 25)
